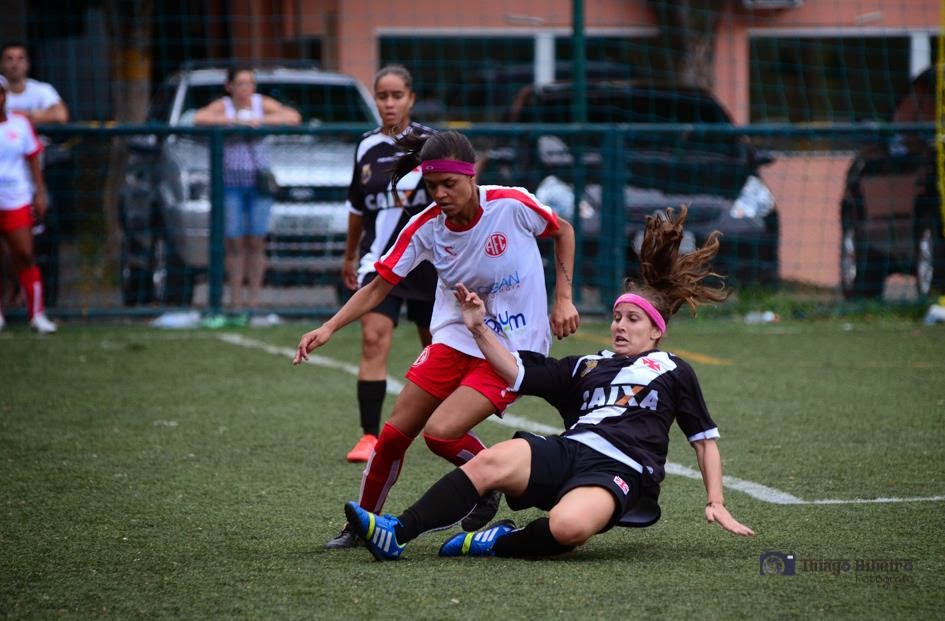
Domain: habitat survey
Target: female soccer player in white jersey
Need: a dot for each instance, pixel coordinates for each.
(617, 409)
(19, 202)
(485, 237)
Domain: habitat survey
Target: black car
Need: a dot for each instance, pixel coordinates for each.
(891, 211)
(715, 173)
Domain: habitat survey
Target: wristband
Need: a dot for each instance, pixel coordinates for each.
(714, 502)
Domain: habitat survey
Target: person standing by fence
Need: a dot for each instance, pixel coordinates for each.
(376, 214)
(38, 101)
(22, 198)
(247, 208)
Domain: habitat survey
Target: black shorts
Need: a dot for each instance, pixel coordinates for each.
(419, 312)
(560, 465)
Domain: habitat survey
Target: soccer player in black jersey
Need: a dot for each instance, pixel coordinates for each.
(375, 216)
(617, 407)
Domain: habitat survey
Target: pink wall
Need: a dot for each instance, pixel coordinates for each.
(807, 187)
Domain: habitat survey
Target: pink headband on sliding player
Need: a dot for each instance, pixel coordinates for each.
(643, 303)
(448, 166)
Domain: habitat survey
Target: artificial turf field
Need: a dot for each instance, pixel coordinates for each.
(196, 474)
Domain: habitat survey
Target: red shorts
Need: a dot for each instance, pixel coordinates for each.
(440, 369)
(13, 219)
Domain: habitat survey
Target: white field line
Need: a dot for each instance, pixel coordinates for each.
(755, 490)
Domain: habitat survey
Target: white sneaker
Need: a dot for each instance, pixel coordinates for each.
(41, 323)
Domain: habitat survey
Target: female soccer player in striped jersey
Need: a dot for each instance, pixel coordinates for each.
(617, 407)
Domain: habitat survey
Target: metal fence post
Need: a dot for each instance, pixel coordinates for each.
(215, 269)
(613, 244)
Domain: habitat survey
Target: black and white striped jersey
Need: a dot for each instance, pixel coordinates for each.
(621, 406)
(370, 196)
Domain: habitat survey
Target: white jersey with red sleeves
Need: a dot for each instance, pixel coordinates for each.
(496, 256)
(17, 142)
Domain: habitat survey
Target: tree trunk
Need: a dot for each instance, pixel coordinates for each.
(687, 28)
(129, 25)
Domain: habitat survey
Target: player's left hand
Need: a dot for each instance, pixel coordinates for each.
(716, 512)
(40, 205)
(564, 319)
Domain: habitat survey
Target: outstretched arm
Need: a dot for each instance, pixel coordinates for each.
(474, 314)
(564, 316)
(363, 300)
(710, 464)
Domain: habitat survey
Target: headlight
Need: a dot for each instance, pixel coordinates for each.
(754, 201)
(196, 184)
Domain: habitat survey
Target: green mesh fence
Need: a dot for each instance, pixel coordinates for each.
(805, 132)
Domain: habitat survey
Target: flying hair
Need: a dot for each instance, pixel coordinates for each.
(416, 148)
(669, 279)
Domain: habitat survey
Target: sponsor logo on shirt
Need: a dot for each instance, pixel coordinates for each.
(506, 283)
(506, 322)
(385, 200)
(496, 244)
(365, 174)
(620, 395)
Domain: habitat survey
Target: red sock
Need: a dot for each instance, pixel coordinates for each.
(457, 451)
(383, 467)
(32, 286)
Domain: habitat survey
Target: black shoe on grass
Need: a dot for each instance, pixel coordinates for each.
(345, 539)
(483, 512)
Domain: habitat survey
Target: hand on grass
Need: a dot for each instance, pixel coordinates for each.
(716, 512)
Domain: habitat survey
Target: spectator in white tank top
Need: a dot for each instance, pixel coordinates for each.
(247, 212)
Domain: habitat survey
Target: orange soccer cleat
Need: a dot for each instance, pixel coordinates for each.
(363, 449)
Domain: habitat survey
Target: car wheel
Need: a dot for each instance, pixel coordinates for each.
(929, 256)
(861, 274)
(173, 281)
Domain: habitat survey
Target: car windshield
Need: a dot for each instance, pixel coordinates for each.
(317, 103)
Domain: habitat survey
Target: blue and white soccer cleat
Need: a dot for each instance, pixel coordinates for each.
(376, 530)
(478, 543)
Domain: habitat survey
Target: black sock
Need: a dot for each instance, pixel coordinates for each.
(533, 540)
(371, 395)
(446, 502)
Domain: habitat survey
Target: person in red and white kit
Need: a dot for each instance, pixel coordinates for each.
(18, 202)
(485, 237)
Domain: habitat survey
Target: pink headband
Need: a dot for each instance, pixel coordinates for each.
(448, 166)
(643, 303)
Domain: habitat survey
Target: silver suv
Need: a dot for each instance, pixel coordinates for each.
(165, 199)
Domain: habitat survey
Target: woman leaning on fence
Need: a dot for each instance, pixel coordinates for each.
(247, 204)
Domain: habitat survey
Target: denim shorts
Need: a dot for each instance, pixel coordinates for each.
(247, 213)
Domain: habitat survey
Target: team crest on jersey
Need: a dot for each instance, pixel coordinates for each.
(622, 485)
(365, 174)
(496, 244)
(589, 366)
(422, 357)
